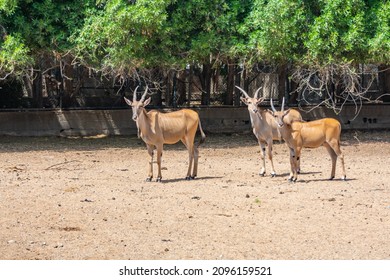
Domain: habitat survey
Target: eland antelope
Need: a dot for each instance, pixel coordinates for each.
(297, 134)
(264, 127)
(157, 129)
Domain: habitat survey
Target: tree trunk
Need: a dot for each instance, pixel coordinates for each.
(245, 81)
(384, 81)
(294, 94)
(68, 76)
(230, 84)
(206, 84)
(37, 90)
(174, 90)
(66, 86)
(181, 88)
(236, 98)
(189, 83)
(282, 89)
(215, 87)
(169, 89)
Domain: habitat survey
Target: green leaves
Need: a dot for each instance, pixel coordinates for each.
(14, 56)
(8, 6)
(123, 34)
(339, 33)
(277, 29)
(120, 34)
(379, 44)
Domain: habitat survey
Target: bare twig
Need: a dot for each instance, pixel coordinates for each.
(333, 86)
(60, 164)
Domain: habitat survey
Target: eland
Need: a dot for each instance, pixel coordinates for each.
(156, 129)
(264, 126)
(297, 134)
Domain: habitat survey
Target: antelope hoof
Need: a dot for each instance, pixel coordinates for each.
(188, 178)
(159, 179)
(262, 174)
(331, 178)
(149, 179)
(292, 179)
(273, 174)
(299, 171)
(344, 178)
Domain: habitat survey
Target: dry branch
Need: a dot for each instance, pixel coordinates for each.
(54, 166)
(335, 86)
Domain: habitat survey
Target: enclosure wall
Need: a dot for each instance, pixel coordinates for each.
(214, 120)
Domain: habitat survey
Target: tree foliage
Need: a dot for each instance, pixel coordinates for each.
(276, 30)
(142, 33)
(338, 34)
(198, 30)
(14, 56)
(35, 33)
(123, 35)
(379, 43)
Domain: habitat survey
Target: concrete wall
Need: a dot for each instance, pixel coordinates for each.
(214, 120)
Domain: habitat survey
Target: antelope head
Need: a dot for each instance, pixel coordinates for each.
(279, 115)
(137, 106)
(251, 102)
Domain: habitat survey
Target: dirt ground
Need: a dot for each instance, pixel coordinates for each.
(88, 199)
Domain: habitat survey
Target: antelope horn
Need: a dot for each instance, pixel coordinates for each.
(144, 95)
(272, 106)
(135, 94)
(282, 105)
(243, 91)
(257, 92)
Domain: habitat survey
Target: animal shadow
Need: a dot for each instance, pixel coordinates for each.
(196, 179)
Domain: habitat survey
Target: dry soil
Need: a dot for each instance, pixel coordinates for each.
(87, 199)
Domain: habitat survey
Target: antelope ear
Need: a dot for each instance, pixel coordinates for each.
(243, 99)
(286, 119)
(286, 112)
(128, 101)
(260, 101)
(271, 112)
(147, 101)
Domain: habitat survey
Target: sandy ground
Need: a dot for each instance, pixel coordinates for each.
(87, 199)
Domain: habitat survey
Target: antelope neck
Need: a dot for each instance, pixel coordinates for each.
(143, 122)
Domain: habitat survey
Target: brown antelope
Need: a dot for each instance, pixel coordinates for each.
(264, 127)
(157, 129)
(297, 134)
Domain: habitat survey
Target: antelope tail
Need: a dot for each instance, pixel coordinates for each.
(203, 136)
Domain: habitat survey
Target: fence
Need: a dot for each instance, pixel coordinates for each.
(193, 86)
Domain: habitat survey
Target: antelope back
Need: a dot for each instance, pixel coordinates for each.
(292, 116)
